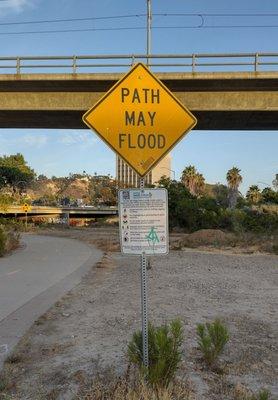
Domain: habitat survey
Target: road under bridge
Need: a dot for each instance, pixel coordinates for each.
(69, 212)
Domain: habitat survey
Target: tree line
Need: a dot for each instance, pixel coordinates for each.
(195, 183)
(193, 203)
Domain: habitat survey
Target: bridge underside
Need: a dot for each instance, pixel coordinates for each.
(207, 120)
(220, 101)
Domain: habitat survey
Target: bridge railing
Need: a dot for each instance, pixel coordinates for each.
(254, 62)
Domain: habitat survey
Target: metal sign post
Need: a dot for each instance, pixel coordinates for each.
(143, 225)
(144, 307)
(144, 302)
(26, 208)
(141, 120)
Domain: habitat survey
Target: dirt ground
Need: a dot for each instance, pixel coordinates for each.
(87, 331)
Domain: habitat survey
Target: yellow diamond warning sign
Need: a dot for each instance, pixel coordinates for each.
(25, 207)
(140, 119)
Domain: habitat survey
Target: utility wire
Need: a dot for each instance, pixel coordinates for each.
(134, 16)
(47, 21)
(201, 25)
(73, 30)
(138, 28)
(135, 28)
(217, 15)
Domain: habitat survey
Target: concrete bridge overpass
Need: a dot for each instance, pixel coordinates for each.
(243, 99)
(71, 212)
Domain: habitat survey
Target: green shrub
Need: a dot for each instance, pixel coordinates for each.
(164, 352)
(3, 383)
(256, 221)
(241, 393)
(12, 224)
(212, 339)
(192, 213)
(263, 395)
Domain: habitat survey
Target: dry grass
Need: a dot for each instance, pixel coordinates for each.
(9, 241)
(106, 261)
(107, 244)
(241, 393)
(13, 240)
(6, 383)
(216, 239)
(124, 389)
(106, 238)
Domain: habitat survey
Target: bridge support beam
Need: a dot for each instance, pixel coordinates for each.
(220, 101)
(207, 120)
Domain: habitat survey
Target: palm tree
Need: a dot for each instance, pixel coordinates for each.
(188, 178)
(199, 184)
(254, 194)
(193, 180)
(233, 179)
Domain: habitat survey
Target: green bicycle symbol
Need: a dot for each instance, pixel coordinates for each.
(152, 237)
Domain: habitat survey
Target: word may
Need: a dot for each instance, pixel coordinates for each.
(140, 118)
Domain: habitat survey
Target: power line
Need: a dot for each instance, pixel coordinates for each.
(138, 28)
(72, 19)
(72, 30)
(217, 15)
(236, 26)
(215, 26)
(135, 16)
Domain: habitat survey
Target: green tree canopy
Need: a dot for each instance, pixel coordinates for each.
(42, 177)
(103, 190)
(270, 195)
(15, 172)
(254, 195)
(234, 178)
(5, 201)
(193, 180)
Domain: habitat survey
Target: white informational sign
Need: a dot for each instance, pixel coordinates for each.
(143, 221)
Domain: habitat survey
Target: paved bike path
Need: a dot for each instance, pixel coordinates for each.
(34, 277)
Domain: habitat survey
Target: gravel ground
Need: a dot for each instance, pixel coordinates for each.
(88, 330)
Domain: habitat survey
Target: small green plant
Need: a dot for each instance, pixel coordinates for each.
(262, 395)
(243, 394)
(3, 384)
(164, 352)
(212, 339)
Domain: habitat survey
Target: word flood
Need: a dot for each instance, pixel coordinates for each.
(142, 141)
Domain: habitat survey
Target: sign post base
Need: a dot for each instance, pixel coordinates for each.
(144, 307)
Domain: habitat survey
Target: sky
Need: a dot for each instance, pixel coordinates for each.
(60, 152)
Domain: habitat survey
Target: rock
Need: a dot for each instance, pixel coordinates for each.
(268, 363)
